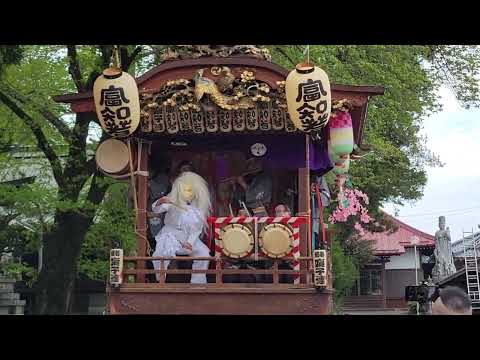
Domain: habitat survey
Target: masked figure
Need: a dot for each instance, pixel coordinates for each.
(187, 207)
(255, 185)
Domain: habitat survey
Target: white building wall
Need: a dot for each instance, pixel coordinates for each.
(457, 246)
(405, 261)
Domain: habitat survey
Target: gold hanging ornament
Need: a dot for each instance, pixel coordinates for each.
(117, 102)
(309, 100)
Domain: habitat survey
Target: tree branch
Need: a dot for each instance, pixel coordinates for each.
(131, 58)
(57, 123)
(39, 135)
(47, 114)
(91, 165)
(74, 67)
(97, 188)
(285, 55)
(96, 193)
(106, 51)
(91, 79)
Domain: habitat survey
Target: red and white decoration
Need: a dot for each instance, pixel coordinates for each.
(293, 221)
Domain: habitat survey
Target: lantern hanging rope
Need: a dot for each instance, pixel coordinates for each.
(116, 57)
(306, 53)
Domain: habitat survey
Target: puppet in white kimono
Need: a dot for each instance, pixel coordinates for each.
(187, 207)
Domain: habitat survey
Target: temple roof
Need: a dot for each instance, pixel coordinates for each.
(394, 243)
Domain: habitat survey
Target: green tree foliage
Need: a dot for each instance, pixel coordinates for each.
(395, 171)
(32, 119)
(21, 223)
(9, 54)
(345, 271)
(411, 75)
(113, 228)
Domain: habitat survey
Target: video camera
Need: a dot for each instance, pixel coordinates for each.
(423, 293)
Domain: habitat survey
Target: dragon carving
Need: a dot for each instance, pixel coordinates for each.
(225, 91)
(207, 86)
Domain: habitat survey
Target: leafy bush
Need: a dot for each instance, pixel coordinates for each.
(113, 228)
(345, 272)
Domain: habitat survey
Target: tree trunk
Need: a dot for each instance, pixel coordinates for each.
(62, 247)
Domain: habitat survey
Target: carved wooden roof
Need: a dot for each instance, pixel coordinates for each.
(265, 73)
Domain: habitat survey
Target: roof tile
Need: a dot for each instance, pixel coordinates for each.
(394, 243)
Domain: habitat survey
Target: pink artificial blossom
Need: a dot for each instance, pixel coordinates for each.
(354, 208)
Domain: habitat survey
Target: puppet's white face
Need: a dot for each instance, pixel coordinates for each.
(187, 193)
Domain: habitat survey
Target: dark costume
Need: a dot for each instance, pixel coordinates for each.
(159, 187)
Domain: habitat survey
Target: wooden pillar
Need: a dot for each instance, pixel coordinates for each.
(212, 180)
(303, 207)
(384, 292)
(142, 195)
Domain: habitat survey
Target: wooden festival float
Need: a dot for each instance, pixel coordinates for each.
(213, 110)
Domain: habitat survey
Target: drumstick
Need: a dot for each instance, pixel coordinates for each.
(245, 208)
(230, 207)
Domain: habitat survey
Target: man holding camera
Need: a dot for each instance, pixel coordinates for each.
(435, 301)
(451, 301)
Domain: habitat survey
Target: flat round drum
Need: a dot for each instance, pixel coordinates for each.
(276, 240)
(236, 240)
(112, 156)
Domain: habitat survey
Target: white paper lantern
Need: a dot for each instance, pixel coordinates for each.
(117, 102)
(334, 158)
(341, 133)
(309, 102)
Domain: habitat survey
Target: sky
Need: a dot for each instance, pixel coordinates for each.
(453, 190)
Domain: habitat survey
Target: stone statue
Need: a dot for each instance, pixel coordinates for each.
(444, 265)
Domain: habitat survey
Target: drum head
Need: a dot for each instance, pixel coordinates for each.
(112, 156)
(237, 240)
(276, 240)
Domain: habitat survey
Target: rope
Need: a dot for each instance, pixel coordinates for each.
(149, 248)
(139, 154)
(135, 199)
(132, 179)
(124, 176)
(139, 159)
(306, 52)
(116, 55)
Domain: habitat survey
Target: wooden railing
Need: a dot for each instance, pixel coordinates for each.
(131, 270)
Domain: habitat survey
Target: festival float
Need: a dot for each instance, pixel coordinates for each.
(239, 120)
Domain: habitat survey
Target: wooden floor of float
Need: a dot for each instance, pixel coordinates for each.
(224, 299)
